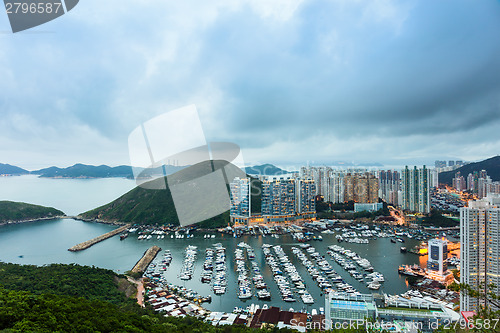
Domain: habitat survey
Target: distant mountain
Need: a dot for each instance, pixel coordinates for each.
(7, 169)
(19, 211)
(491, 165)
(265, 170)
(86, 171)
(104, 171)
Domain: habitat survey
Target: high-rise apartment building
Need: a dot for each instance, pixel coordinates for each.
(278, 197)
(415, 189)
(480, 250)
(336, 188)
(389, 184)
(459, 182)
(306, 197)
(240, 197)
(361, 187)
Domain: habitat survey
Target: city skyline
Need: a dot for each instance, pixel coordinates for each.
(290, 81)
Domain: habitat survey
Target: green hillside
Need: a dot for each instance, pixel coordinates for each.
(20, 211)
(91, 283)
(149, 205)
(491, 165)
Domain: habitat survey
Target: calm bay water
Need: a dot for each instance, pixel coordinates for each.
(47, 242)
(72, 196)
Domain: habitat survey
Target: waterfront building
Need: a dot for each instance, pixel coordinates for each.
(287, 200)
(368, 207)
(415, 189)
(437, 268)
(480, 250)
(344, 308)
(361, 187)
(278, 197)
(416, 314)
(240, 197)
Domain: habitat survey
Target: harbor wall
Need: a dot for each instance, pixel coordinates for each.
(146, 259)
(89, 243)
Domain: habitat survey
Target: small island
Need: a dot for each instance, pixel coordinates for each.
(19, 212)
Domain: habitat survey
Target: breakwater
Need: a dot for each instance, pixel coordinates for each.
(89, 243)
(146, 259)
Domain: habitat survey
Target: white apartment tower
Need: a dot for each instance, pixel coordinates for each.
(240, 197)
(415, 185)
(480, 250)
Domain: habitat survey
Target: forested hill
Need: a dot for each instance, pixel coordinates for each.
(491, 165)
(19, 211)
(70, 280)
(149, 205)
(86, 171)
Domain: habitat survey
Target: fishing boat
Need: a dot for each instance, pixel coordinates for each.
(264, 294)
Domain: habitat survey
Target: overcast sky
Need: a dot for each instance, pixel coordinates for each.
(290, 81)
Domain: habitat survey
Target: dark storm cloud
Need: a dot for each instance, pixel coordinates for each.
(367, 79)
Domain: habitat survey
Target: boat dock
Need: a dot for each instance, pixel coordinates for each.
(89, 243)
(146, 259)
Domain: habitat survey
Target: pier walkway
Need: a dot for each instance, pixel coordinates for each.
(89, 243)
(146, 259)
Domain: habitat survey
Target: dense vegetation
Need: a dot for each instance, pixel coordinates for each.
(491, 165)
(328, 210)
(7, 169)
(86, 171)
(20, 211)
(70, 280)
(436, 219)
